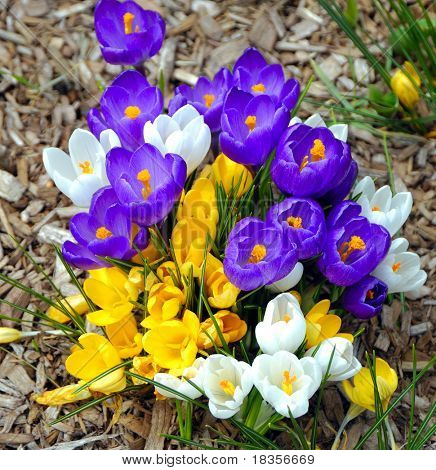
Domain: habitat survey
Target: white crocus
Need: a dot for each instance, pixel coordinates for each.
(184, 133)
(286, 382)
(182, 385)
(339, 351)
(380, 207)
(283, 327)
(289, 281)
(340, 131)
(226, 382)
(80, 174)
(401, 270)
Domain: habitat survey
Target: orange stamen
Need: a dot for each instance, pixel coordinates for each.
(317, 153)
(355, 243)
(287, 382)
(144, 177)
(132, 112)
(208, 100)
(370, 294)
(295, 222)
(259, 87)
(128, 22)
(251, 122)
(396, 267)
(102, 233)
(86, 167)
(228, 387)
(258, 253)
(376, 209)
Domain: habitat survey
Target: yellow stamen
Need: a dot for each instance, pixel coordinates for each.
(295, 222)
(144, 177)
(304, 162)
(102, 233)
(128, 22)
(258, 253)
(251, 122)
(86, 167)
(228, 387)
(287, 382)
(317, 153)
(286, 318)
(132, 112)
(355, 243)
(396, 267)
(259, 87)
(370, 294)
(208, 100)
(376, 209)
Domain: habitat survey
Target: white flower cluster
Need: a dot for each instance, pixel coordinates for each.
(284, 381)
(82, 173)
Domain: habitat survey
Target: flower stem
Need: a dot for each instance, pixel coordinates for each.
(352, 413)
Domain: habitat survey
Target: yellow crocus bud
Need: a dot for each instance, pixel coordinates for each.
(199, 202)
(231, 174)
(220, 291)
(405, 88)
(94, 356)
(9, 335)
(144, 366)
(124, 337)
(136, 277)
(62, 395)
(360, 390)
(173, 343)
(297, 295)
(320, 325)
(164, 303)
(74, 304)
(231, 326)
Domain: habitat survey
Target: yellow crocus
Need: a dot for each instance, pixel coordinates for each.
(93, 356)
(231, 175)
(136, 277)
(111, 290)
(360, 390)
(405, 88)
(231, 326)
(220, 291)
(164, 303)
(321, 325)
(74, 304)
(167, 272)
(62, 395)
(9, 335)
(124, 336)
(173, 344)
(144, 366)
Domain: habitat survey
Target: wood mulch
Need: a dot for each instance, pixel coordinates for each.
(51, 72)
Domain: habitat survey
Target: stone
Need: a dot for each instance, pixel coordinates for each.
(10, 187)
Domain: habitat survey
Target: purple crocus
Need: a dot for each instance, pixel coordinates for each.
(207, 97)
(343, 188)
(105, 231)
(365, 299)
(126, 106)
(146, 182)
(302, 221)
(253, 74)
(258, 254)
(251, 127)
(128, 34)
(353, 247)
(310, 162)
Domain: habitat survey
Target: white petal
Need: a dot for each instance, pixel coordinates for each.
(295, 120)
(289, 281)
(57, 160)
(313, 370)
(382, 199)
(184, 115)
(109, 140)
(365, 186)
(165, 125)
(315, 121)
(174, 143)
(83, 189)
(84, 146)
(153, 137)
(399, 245)
(417, 282)
(340, 131)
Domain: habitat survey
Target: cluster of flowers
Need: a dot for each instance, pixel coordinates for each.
(134, 167)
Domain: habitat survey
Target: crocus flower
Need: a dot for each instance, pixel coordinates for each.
(62, 395)
(361, 390)
(283, 327)
(82, 173)
(94, 356)
(400, 269)
(303, 222)
(124, 336)
(106, 230)
(182, 385)
(167, 273)
(338, 352)
(380, 207)
(111, 290)
(127, 33)
(288, 282)
(310, 162)
(220, 292)
(365, 298)
(184, 134)
(173, 343)
(406, 88)
(231, 326)
(9, 335)
(286, 382)
(146, 367)
(146, 182)
(353, 247)
(251, 127)
(226, 382)
(207, 97)
(164, 303)
(73, 304)
(253, 74)
(126, 105)
(257, 254)
(321, 325)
